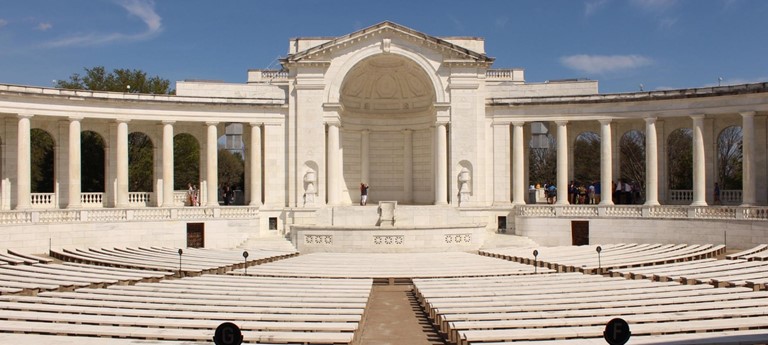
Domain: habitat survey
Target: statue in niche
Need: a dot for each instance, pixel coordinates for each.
(309, 191)
(464, 178)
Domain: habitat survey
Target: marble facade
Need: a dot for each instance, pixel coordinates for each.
(423, 120)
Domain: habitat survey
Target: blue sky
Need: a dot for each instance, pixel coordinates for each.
(661, 44)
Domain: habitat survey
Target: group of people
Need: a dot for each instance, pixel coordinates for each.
(585, 195)
(193, 195)
(624, 192)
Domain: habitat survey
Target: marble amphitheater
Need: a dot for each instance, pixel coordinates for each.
(444, 251)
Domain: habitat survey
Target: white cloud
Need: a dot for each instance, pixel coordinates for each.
(44, 26)
(3, 22)
(599, 64)
(654, 5)
(592, 6)
(143, 9)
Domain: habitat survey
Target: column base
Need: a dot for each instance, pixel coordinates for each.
(651, 203)
(699, 203)
(606, 203)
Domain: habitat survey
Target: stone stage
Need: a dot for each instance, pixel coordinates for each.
(389, 228)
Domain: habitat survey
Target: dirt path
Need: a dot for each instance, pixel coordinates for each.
(393, 316)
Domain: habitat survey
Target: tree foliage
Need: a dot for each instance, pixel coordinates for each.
(729, 158)
(91, 162)
(140, 163)
(42, 156)
(231, 168)
(543, 163)
(680, 159)
(186, 161)
(632, 159)
(119, 80)
(586, 158)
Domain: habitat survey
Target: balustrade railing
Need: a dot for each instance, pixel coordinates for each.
(680, 196)
(141, 199)
(42, 200)
(92, 200)
(730, 196)
(181, 198)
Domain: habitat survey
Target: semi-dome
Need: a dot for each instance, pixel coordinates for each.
(387, 84)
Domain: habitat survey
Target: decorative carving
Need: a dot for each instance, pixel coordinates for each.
(309, 192)
(388, 239)
(386, 45)
(464, 178)
(458, 238)
(318, 239)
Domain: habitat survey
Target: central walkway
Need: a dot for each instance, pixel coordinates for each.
(394, 317)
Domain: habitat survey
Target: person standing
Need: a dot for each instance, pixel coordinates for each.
(717, 194)
(363, 194)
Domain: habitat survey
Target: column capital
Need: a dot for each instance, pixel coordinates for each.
(122, 120)
(518, 123)
(650, 119)
(697, 116)
(441, 123)
(561, 122)
(167, 122)
(333, 123)
(75, 118)
(25, 115)
(404, 130)
(255, 124)
(747, 113)
(211, 123)
(605, 121)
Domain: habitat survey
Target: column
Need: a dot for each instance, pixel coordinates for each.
(606, 163)
(518, 164)
(167, 164)
(562, 162)
(254, 155)
(24, 164)
(651, 163)
(441, 164)
(699, 168)
(365, 166)
(408, 165)
(749, 183)
(334, 187)
(74, 164)
(211, 164)
(122, 164)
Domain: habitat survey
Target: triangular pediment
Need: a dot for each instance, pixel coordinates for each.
(388, 29)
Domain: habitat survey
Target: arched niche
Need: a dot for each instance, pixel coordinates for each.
(387, 117)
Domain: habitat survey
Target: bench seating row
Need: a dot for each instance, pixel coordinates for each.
(192, 262)
(612, 256)
(390, 266)
(275, 311)
(577, 306)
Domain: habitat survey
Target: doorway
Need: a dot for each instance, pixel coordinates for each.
(195, 235)
(580, 232)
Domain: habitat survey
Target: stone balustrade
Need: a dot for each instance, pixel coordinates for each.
(42, 200)
(126, 214)
(641, 211)
(92, 200)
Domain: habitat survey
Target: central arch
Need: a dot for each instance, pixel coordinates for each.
(387, 120)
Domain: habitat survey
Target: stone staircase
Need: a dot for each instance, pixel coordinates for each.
(496, 240)
(272, 243)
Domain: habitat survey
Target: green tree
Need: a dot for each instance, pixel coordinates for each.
(586, 158)
(632, 159)
(140, 163)
(186, 161)
(729, 158)
(231, 168)
(680, 159)
(91, 162)
(42, 161)
(543, 163)
(119, 80)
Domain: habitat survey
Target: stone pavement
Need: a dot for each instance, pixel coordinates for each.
(393, 317)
